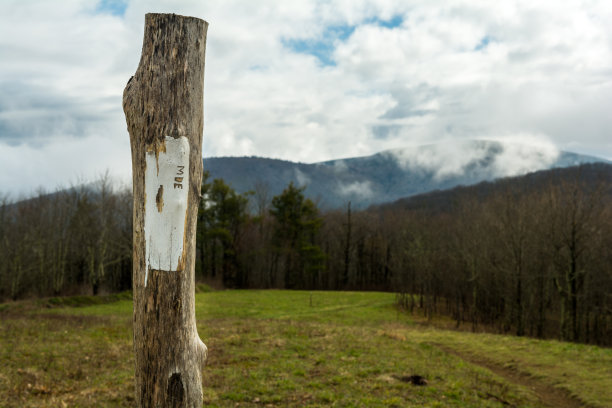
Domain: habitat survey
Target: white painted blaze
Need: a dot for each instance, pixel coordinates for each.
(166, 189)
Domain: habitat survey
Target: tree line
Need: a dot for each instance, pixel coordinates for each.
(525, 257)
(73, 241)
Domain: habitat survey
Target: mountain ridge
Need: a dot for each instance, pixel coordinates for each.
(389, 175)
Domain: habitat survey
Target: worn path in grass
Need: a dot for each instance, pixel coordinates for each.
(548, 395)
(291, 348)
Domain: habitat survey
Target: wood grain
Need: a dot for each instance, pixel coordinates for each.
(165, 98)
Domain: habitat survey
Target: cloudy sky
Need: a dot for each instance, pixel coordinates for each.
(306, 80)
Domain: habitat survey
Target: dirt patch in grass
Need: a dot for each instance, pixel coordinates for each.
(548, 395)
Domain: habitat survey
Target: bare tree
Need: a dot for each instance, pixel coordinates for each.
(573, 222)
(163, 105)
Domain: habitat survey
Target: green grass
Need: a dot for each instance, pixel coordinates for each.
(290, 348)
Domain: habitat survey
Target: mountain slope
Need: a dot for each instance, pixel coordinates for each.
(393, 174)
(590, 175)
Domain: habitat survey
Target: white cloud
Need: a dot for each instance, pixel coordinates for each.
(62, 161)
(362, 189)
(339, 167)
(446, 72)
(502, 156)
(443, 159)
(301, 178)
(522, 154)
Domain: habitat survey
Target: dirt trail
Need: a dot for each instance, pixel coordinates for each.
(548, 395)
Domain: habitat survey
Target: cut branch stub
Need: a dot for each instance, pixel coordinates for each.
(163, 105)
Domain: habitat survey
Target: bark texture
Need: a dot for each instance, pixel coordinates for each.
(164, 100)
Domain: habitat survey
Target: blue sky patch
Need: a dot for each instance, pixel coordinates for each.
(114, 7)
(393, 22)
(323, 47)
(483, 43)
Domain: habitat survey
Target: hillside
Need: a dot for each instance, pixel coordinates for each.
(293, 349)
(590, 174)
(390, 175)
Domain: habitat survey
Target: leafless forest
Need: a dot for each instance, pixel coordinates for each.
(528, 256)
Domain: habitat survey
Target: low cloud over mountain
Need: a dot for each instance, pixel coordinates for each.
(393, 174)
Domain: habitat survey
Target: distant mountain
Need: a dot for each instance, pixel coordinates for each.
(392, 174)
(590, 175)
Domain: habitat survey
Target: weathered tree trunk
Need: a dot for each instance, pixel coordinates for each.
(163, 105)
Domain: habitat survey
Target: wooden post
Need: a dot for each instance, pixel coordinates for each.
(163, 105)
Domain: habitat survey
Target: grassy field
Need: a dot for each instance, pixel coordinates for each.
(295, 348)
